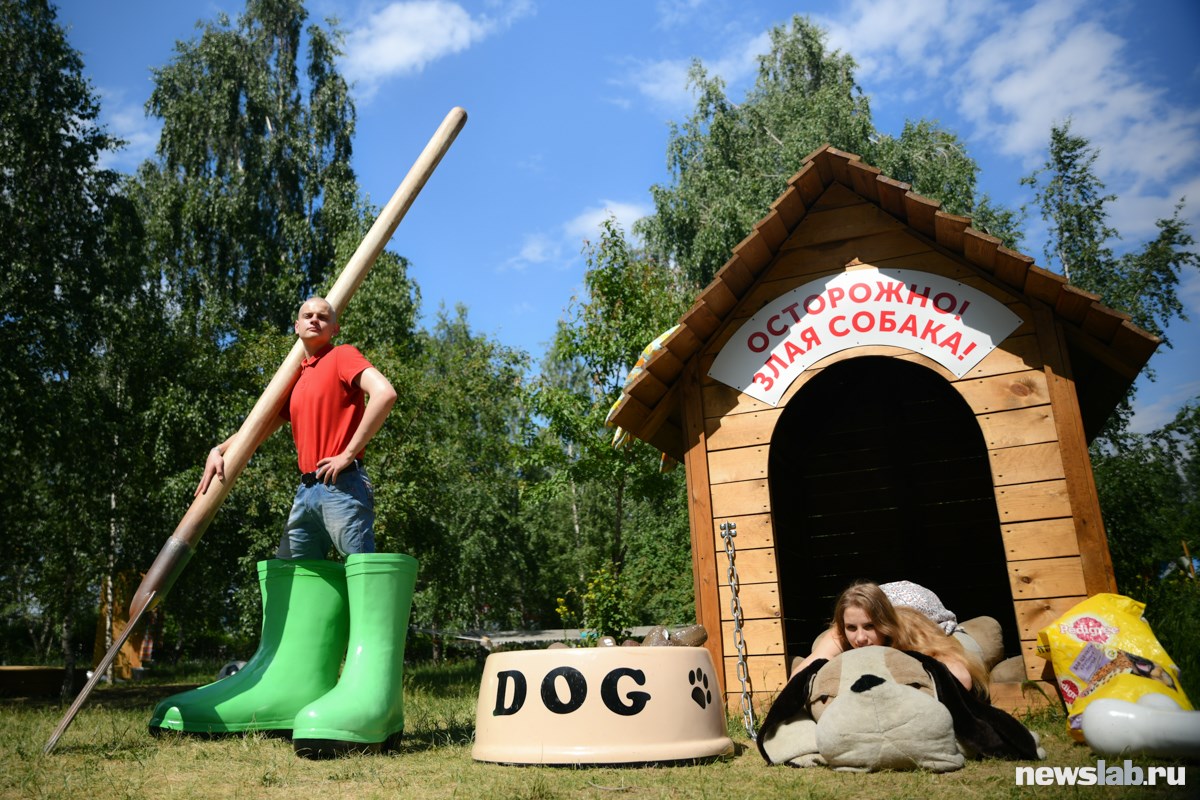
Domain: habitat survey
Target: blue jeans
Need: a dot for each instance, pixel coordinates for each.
(341, 515)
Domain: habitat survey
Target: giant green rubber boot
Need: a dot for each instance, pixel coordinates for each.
(304, 631)
(365, 712)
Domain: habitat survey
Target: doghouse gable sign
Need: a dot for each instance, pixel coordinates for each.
(951, 323)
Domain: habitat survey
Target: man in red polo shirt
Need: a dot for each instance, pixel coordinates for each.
(332, 422)
(319, 613)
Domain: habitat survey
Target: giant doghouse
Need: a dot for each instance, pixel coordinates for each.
(899, 398)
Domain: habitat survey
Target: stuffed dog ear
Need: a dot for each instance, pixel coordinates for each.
(980, 727)
(792, 706)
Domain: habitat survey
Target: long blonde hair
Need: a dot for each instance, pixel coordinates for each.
(918, 632)
(905, 628)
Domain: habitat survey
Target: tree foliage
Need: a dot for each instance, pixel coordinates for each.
(60, 292)
(246, 209)
(729, 161)
(449, 493)
(1150, 493)
(1072, 200)
(253, 181)
(1142, 282)
(1148, 484)
(630, 300)
(145, 313)
(616, 507)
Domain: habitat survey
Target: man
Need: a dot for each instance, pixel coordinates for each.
(319, 613)
(332, 422)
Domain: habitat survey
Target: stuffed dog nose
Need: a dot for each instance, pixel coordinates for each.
(866, 683)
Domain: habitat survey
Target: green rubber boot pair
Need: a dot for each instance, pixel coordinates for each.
(311, 609)
(305, 624)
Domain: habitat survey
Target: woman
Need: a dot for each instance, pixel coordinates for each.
(864, 616)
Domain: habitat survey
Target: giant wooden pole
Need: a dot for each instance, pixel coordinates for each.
(179, 547)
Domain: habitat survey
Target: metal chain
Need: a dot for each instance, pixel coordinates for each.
(728, 532)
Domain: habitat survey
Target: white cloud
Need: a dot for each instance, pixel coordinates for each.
(535, 163)
(1135, 214)
(1013, 70)
(522, 309)
(674, 13)
(1189, 294)
(665, 82)
(1152, 416)
(741, 61)
(1050, 64)
(127, 121)
(892, 39)
(402, 38)
(561, 248)
(537, 248)
(588, 223)
(1037, 71)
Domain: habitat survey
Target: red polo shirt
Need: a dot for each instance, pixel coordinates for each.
(325, 406)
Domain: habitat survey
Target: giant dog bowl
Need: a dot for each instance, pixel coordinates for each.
(600, 705)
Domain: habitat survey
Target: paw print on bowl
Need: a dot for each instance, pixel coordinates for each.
(700, 691)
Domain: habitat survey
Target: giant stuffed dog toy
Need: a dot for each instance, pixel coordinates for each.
(876, 708)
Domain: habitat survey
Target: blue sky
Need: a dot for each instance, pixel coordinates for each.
(570, 105)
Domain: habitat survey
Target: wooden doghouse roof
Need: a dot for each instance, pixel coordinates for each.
(1107, 351)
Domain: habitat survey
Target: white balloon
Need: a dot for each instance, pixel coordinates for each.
(1156, 700)
(1149, 727)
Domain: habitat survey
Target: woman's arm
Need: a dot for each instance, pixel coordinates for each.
(827, 646)
(958, 669)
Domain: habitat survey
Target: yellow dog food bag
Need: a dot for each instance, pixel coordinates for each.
(1103, 647)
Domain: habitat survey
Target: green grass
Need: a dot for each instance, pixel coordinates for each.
(107, 753)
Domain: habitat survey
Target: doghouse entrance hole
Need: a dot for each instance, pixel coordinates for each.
(878, 470)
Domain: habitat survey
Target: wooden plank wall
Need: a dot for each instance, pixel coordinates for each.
(1007, 391)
